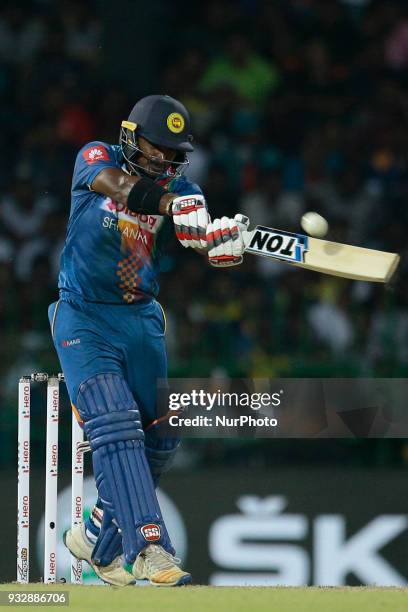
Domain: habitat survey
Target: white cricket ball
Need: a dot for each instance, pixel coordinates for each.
(314, 224)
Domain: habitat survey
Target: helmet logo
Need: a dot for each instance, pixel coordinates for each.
(175, 123)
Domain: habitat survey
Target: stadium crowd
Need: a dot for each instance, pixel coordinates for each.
(296, 105)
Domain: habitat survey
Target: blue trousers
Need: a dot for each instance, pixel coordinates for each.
(94, 338)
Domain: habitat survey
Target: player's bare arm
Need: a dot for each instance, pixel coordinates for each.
(152, 160)
(117, 184)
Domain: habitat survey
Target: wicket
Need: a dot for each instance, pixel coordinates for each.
(51, 479)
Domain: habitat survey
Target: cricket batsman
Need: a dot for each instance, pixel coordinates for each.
(127, 201)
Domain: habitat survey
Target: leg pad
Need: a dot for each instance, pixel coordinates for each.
(160, 453)
(122, 474)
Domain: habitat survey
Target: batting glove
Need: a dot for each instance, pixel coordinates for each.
(191, 217)
(225, 240)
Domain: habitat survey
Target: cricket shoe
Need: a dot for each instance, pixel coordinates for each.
(153, 563)
(79, 545)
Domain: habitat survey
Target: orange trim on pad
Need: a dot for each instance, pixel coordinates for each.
(78, 418)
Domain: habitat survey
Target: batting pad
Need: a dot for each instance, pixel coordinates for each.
(160, 453)
(109, 543)
(113, 427)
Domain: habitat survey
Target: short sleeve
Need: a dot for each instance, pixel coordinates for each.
(91, 160)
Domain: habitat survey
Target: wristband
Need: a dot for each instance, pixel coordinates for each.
(145, 196)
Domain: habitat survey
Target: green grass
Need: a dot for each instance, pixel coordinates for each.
(224, 599)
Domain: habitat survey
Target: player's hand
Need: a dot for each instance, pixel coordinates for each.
(225, 240)
(191, 217)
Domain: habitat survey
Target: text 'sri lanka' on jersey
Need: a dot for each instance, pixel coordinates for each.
(112, 254)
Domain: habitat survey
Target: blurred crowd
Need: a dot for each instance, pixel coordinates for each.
(296, 105)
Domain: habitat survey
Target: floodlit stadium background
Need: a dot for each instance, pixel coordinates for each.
(296, 105)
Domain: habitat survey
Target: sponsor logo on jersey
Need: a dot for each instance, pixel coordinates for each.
(66, 343)
(175, 123)
(150, 223)
(95, 154)
(151, 532)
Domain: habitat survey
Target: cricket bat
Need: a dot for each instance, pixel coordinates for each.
(323, 256)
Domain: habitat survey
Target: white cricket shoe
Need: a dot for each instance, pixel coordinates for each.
(78, 544)
(153, 563)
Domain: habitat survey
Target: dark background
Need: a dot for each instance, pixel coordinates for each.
(296, 105)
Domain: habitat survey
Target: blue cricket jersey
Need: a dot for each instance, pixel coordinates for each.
(111, 254)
